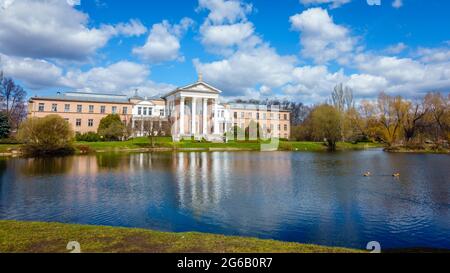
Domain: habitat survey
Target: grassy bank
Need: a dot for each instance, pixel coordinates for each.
(166, 142)
(53, 237)
(143, 143)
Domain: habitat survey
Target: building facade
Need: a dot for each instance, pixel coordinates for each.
(190, 111)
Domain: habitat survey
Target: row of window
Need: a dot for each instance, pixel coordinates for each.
(258, 115)
(90, 122)
(114, 109)
(264, 127)
(148, 111)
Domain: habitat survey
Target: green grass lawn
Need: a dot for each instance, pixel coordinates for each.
(166, 142)
(36, 237)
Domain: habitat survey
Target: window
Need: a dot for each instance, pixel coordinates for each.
(41, 107)
(66, 107)
(102, 109)
(145, 111)
(235, 114)
(285, 117)
(91, 108)
(54, 107)
(90, 122)
(139, 111)
(264, 116)
(78, 122)
(125, 111)
(279, 127)
(79, 108)
(285, 127)
(242, 114)
(161, 112)
(250, 115)
(114, 109)
(257, 116)
(271, 115)
(150, 111)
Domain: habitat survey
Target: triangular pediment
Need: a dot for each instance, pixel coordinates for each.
(201, 87)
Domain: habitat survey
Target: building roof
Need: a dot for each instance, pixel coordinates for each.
(254, 107)
(86, 97)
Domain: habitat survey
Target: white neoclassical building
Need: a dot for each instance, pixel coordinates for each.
(189, 111)
(194, 111)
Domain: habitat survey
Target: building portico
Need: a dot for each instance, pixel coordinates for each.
(193, 110)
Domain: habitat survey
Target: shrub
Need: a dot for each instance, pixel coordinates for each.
(5, 128)
(51, 135)
(88, 137)
(111, 128)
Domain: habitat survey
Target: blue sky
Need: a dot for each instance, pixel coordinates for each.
(297, 49)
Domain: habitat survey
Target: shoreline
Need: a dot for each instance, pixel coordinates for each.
(142, 145)
(45, 237)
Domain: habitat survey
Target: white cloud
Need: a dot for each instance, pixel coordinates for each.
(133, 28)
(122, 77)
(34, 73)
(396, 49)
(247, 69)
(226, 35)
(367, 85)
(332, 3)
(74, 2)
(433, 55)
(225, 11)
(406, 76)
(226, 28)
(163, 43)
(54, 29)
(397, 3)
(321, 39)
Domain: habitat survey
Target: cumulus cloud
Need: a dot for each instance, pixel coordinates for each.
(433, 55)
(332, 3)
(226, 27)
(34, 73)
(55, 30)
(246, 69)
(322, 39)
(163, 42)
(396, 49)
(225, 11)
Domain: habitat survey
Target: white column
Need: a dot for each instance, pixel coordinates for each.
(194, 110)
(216, 118)
(181, 116)
(205, 116)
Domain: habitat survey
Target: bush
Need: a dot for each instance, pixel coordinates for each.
(5, 128)
(51, 135)
(88, 137)
(111, 128)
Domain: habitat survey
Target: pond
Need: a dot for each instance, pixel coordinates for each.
(319, 198)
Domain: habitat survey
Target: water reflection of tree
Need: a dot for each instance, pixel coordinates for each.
(46, 166)
(3, 167)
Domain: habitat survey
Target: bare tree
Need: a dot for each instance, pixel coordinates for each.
(342, 98)
(12, 99)
(414, 114)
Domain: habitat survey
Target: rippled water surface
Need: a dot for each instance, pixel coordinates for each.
(318, 198)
